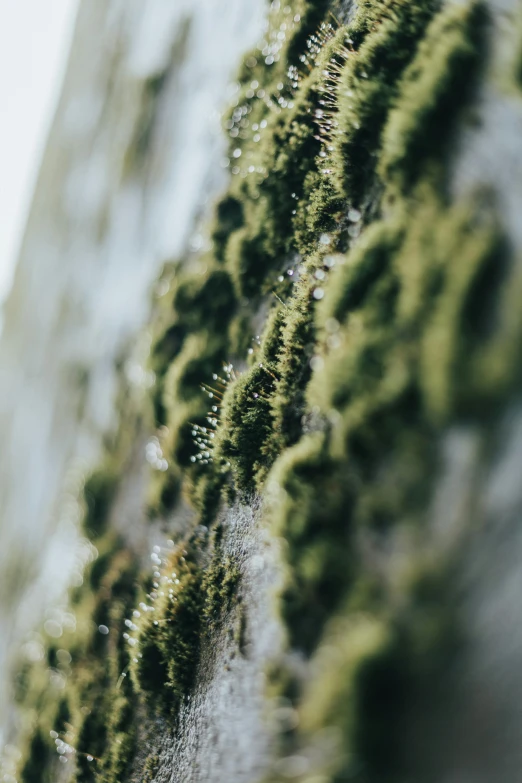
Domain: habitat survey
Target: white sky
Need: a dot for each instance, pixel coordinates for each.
(34, 42)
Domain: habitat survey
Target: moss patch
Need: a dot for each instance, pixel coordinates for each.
(385, 313)
(169, 632)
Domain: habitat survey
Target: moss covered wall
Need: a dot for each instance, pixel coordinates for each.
(349, 344)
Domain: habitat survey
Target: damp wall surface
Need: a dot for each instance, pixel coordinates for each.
(132, 162)
(364, 545)
(472, 731)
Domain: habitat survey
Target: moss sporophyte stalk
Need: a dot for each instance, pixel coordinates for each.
(349, 311)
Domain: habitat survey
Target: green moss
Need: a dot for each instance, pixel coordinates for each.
(164, 488)
(206, 492)
(197, 587)
(122, 732)
(311, 500)
(228, 218)
(91, 714)
(241, 631)
(375, 676)
(355, 277)
(372, 473)
(92, 738)
(455, 327)
(204, 301)
(202, 354)
(148, 95)
(435, 86)
(371, 469)
(38, 760)
(281, 179)
(241, 332)
(250, 106)
(395, 331)
(169, 634)
(331, 697)
(150, 769)
(297, 337)
(99, 491)
(386, 43)
(247, 418)
(221, 581)
(385, 37)
(99, 568)
(185, 402)
(320, 210)
(248, 425)
(414, 280)
(246, 260)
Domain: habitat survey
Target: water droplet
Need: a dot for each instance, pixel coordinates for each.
(53, 628)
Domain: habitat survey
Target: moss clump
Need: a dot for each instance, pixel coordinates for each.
(189, 348)
(122, 733)
(205, 301)
(198, 304)
(221, 581)
(246, 416)
(248, 425)
(105, 712)
(321, 210)
(355, 277)
(99, 492)
(385, 37)
(458, 325)
(295, 354)
(346, 672)
(90, 714)
(229, 217)
(312, 500)
(183, 397)
(202, 353)
(246, 259)
(150, 769)
(197, 584)
(410, 278)
(279, 179)
(435, 86)
(377, 675)
(149, 93)
(169, 633)
(39, 755)
(164, 489)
